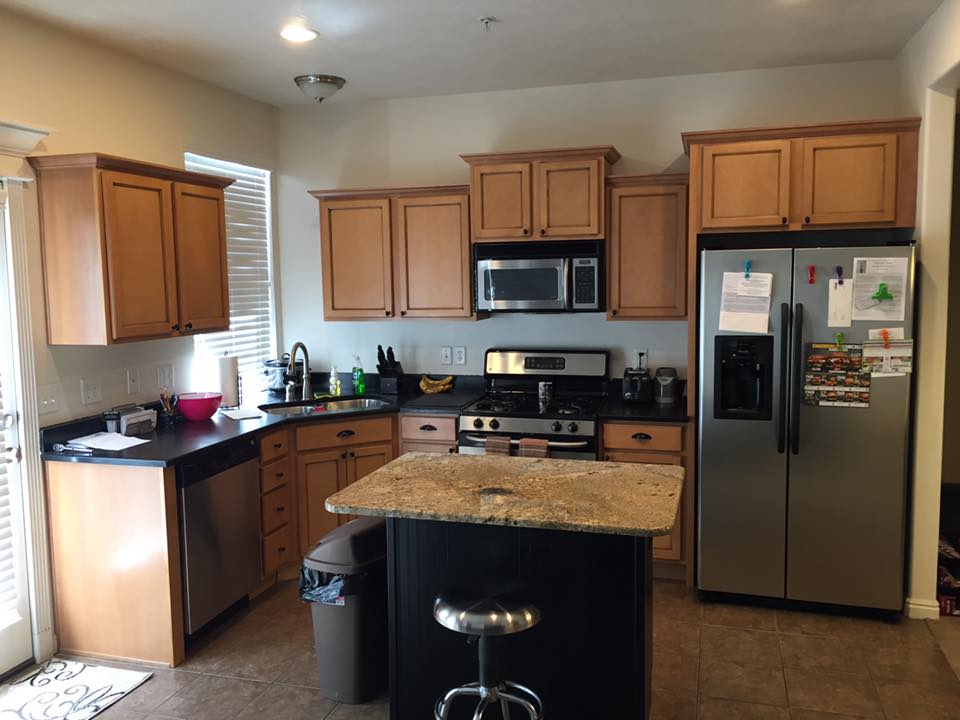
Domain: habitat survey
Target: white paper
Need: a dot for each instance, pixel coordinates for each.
(108, 441)
(839, 304)
(241, 414)
(877, 333)
(893, 361)
(868, 274)
(745, 302)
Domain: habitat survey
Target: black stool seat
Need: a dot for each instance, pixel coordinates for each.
(500, 615)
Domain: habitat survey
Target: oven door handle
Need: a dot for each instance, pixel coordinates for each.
(550, 443)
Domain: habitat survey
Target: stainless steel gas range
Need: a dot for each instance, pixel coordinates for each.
(552, 395)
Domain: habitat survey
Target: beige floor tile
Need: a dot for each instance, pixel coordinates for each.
(212, 698)
(799, 714)
(675, 673)
(163, 685)
(742, 616)
(668, 706)
(713, 709)
(916, 701)
(674, 636)
(747, 683)
(118, 713)
(255, 660)
(301, 669)
(675, 601)
(747, 647)
(370, 711)
(280, 702)
(912, 664)
(947, 633)
(832, 693)
(822, 654)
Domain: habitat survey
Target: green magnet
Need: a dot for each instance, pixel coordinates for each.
(882, 293)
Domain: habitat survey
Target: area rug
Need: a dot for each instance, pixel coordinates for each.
(66, 690)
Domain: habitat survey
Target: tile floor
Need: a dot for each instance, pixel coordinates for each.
(712, 661)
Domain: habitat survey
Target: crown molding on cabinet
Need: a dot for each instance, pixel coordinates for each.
(608, 152)
(119, 164)
(420, 191)
(646, 179)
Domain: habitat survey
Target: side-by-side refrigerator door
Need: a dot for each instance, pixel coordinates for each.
(741, 425)
(848, 464)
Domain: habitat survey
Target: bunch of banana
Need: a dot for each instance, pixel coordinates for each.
(431, 386)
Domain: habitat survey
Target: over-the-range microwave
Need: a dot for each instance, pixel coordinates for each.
(562, 276)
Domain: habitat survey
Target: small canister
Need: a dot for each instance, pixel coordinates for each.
(666, 389)
(112, 419)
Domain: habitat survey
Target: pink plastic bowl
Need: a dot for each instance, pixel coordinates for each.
(199, 406)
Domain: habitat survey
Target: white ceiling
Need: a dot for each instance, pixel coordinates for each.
(405, 48)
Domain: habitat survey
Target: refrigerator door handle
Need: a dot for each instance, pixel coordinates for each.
(797, 398)
(784, 378)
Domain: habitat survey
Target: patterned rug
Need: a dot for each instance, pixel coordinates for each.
(66, 690)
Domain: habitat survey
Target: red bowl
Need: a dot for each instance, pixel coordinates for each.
(199, 406)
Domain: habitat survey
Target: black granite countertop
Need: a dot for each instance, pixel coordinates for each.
(616, 409)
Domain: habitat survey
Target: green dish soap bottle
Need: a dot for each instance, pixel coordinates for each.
(359, 379)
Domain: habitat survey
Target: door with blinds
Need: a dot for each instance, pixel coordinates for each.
(15, 631)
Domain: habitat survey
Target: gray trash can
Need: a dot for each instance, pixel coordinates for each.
(345, 579)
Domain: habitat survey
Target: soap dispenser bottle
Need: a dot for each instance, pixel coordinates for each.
(359, 380)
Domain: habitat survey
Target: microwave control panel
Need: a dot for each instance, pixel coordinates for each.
(585, 283)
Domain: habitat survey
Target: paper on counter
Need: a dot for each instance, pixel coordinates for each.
(745, 302)
(868, 273)
(895, 360)
(108, 441)
(894, 333)
(242, 413)
(839, 304)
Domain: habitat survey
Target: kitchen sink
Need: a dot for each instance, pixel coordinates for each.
(314, 408)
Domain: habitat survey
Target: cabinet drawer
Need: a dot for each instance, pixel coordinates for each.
(275, 509)
(635, 436)
(428, 428)
(347, 432)
(275, 474)
(278, 549)
(443, 448)
(275, 445)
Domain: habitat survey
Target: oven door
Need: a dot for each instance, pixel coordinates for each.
(522, 284)
(581, 449)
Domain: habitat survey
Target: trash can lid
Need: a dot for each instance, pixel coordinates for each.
(350, 548)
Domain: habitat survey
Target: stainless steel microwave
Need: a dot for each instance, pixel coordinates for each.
(539, 276)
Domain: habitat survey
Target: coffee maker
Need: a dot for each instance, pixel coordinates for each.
(637, 385)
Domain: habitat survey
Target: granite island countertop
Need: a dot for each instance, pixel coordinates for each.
(575, 495)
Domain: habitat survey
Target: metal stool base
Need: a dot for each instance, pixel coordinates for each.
(507, 693)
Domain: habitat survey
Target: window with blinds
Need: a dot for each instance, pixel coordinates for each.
(252, 334)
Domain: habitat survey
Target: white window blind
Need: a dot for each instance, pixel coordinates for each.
(252, 334)
(9, 595)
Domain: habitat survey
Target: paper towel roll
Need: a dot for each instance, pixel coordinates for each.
(229, 381)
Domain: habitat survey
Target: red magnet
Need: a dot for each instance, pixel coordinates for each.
(812, 273)
(885, 336)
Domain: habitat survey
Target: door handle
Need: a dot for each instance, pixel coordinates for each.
(428, 428)
(11, 455)
(345, 433)
(7, 421)
(641, 436)
(784, 357)
(797, 379)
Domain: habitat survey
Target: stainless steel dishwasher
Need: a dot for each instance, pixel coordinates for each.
(219, 497)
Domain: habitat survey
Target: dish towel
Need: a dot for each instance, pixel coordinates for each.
(497, 445)
(534, 447)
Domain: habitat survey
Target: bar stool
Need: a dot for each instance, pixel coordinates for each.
(488, 619)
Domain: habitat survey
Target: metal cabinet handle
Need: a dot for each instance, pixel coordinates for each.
(387, 313)
(277, 446)
(343, 454)
(280, 508)
(806, 219)
(403, 313)
(352, 454)
(175, 326)
(345, 433)
(607, 458)
(543, 231)
(613, 312)
(282, 549)
(526, 231)
(428, 428)
(189, 326)
(641, 436)
(783, 221)
(279, 475)
(451, 449)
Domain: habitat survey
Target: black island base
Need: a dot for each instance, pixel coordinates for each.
(587, 659)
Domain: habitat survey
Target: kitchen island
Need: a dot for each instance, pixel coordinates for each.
(574, 535)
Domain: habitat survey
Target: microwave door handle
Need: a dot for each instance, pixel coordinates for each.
(565, 271)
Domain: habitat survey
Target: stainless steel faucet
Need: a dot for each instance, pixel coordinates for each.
(307, 393)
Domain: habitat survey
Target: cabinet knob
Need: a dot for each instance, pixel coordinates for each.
(806, 219)
(277, 446)
(279, 475)
(526, 231)
(543, 231)
(607, 458)
(175, 326)
(613, 312)
(343, 454)
(451, 450)
(189, 326)
(783, 221)
(352, 454)
(403, 313)
(282, 549)
(386, 313)
(280, 508)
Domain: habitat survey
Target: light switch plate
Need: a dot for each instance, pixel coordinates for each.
(446, 355)
(165, 376)
(48, 399)
(91, 392)
(459, 355)
(133, 381)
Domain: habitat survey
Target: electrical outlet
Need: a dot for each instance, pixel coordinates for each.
(48, 399)
(133, 381)
(446, 355)
(91, 392)
(165, 376)
(460, 355)
(635, 357)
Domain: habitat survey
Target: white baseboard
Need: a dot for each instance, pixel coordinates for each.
(922, 609)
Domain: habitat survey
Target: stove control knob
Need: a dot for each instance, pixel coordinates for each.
(572, 427)
(494, 424)
(478, 423)
(556, 427)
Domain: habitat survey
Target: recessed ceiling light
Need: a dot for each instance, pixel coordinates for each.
(297, 33)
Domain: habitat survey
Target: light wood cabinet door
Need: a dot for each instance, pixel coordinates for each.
(356, 246)
(569, 199)
(364, 460)
(647, 262)
(141, 262)
(501, 201)
(433, 253)
(319, 475)
(746, 184)
(850, 179)
(201, 243)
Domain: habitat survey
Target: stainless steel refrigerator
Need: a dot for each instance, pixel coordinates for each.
(794, 500)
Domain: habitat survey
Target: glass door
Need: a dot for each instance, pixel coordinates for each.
(15, 630)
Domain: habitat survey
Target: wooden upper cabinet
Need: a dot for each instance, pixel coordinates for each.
(540, 194)
(141, 266)
(502, 205)
(357, 251)
(433, 256)
(201, 257)
(569, 198)
(647, 249)
(746, 184)
(131, 250)
(850, 179)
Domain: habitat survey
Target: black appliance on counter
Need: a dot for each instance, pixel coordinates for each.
(512, 406)
(637, 385)
(276, 375)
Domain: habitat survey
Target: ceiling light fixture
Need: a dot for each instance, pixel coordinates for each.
(319, 87)
(297, 32)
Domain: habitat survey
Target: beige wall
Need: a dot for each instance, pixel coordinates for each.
(96, 99)
(418, 141)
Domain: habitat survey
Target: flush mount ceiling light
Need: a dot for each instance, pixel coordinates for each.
(319, 87)
(297, 32)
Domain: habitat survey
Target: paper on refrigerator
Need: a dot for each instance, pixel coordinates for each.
(745, 302)
(880, 288)
(839, 304)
